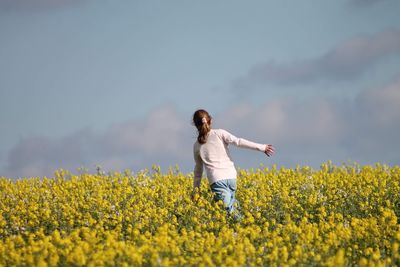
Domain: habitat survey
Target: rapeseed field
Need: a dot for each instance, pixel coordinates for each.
(333, 216)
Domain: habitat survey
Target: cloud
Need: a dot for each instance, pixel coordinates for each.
(38, 155)
(311, 131)
(318, 129)
(26, 5)
(160, 131)
(346, 61)
(160, 138)
(383, 105)
(362, 3)
(304, 132)
(378, 127)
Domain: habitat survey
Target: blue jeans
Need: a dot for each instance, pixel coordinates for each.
(225, 190)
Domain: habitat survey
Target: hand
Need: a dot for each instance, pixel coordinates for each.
(269, 150)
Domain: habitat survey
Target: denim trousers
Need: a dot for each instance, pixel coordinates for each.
(225, 190)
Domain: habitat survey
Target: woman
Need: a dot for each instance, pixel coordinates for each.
(211, 152)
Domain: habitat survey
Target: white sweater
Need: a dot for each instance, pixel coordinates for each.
(215, 157)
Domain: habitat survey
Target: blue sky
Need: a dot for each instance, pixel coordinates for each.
(115, 83)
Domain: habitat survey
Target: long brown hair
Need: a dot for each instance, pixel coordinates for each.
(202, 121)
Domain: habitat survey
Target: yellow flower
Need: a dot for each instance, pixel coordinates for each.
(331, 217)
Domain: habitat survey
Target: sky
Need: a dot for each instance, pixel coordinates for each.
(87, 83)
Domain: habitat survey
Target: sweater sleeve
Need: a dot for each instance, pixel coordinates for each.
(241, 142)
(198, 169)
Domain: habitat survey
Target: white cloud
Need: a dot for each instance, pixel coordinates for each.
(308, 132)
(288, 119)
(159, 131)
(161, 138)
(346, 61)
(319, 129)
(383, 106)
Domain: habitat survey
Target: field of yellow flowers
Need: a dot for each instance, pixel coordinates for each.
(334, 216)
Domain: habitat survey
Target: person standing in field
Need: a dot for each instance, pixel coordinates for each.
(212, 153)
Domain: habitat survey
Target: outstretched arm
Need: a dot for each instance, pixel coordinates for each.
(241, 142)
